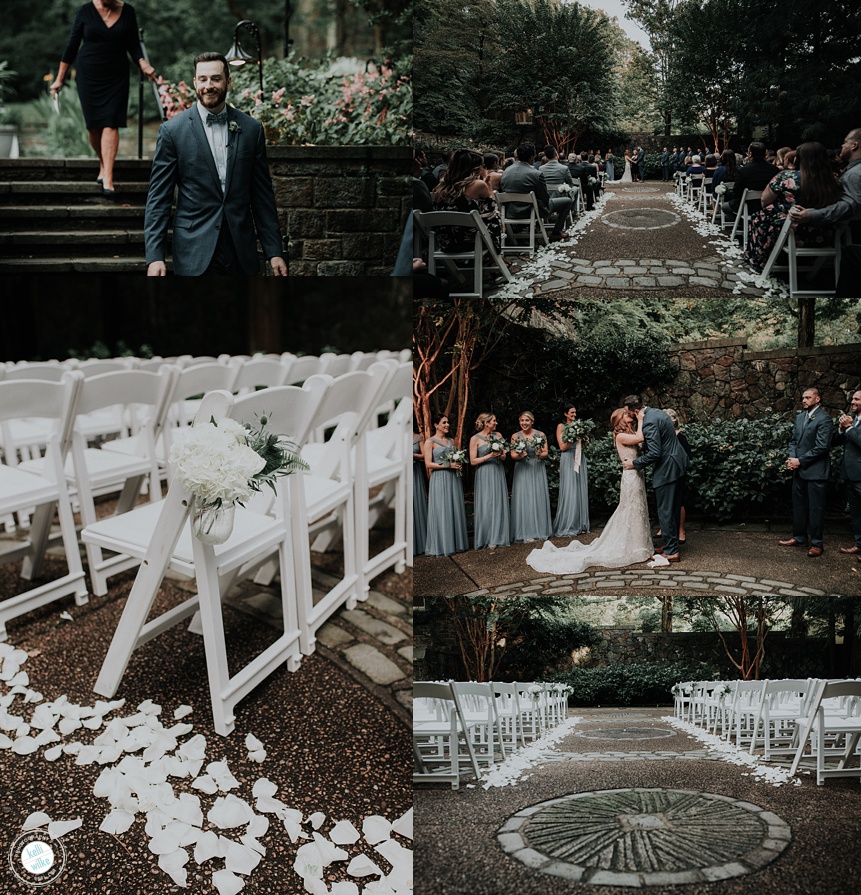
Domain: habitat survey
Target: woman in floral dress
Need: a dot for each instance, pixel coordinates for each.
(812, 185)
(462, 188)
(530, 496)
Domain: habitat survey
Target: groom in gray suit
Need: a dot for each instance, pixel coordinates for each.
(215, 156)
(662, 450)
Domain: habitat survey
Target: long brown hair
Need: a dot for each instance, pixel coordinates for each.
(619, 422)
(462, 170)
(818, 186)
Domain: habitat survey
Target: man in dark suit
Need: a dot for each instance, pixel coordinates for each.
(215, 157)
(809, 463)
(849, 435)
(665, 164)
(641, 164)
(662, 451)
(521, 177)
(756, 174)
(582, 171)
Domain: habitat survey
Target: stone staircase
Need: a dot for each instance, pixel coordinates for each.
(54, 219)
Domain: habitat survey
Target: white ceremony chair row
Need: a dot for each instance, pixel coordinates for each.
(158, 536)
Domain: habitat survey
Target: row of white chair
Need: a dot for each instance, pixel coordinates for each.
(273, 533)
(462, 727)
(813, 720)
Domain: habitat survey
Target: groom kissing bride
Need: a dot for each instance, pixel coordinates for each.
(626, 538)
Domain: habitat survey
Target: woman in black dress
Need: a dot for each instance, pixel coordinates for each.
(109, 30)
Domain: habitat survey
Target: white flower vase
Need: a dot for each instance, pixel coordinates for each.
(212, 523)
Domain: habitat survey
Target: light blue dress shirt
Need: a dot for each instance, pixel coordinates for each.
(216, 135)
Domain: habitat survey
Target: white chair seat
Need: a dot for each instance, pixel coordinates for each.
(15, 483)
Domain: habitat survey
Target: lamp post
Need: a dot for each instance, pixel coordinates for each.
(237, 57)
(288, 41)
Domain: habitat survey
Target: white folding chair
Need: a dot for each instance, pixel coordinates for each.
(781, 702)
(744, 214)
(787, 244)
(508, 713)
(718, 206)
(743, 711)
(301, 368)
(516, 227)
(705, 196)
(459, 264)
(45, 489)
(481, 723)
(831, 729)
(258, 372)
(159, 535)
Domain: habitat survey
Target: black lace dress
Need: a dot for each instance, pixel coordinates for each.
(457, 239)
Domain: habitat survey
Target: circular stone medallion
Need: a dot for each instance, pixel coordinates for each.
(625, 733)
(641, 219)
(643, 837)
(641, 189)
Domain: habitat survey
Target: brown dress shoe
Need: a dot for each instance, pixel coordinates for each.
(814, 551)
(852, 550)
(673, 557)
(792, 542)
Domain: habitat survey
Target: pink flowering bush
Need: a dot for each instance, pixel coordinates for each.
(316, 103)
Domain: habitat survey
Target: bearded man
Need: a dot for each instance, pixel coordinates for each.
(215, 157)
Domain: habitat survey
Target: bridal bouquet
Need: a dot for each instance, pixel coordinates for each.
(454, 455)
(227, 462)
(572, 432)
(538, 441)
(498, 445)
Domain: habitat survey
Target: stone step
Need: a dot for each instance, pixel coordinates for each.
(77, 192)
(84, 170)
(108, 214)
(30, 244)
(105, 264)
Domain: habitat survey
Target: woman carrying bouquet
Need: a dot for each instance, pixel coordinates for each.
(487, 450)
(530, 497)
(446, 533)
(572, 511)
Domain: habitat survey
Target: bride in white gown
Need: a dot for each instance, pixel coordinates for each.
(626, 538)
(627, 177)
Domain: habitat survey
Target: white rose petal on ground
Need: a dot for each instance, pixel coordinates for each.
(35, 820)
(329, 853)
(258, 826)
(316, 819)
(195, 748)
(395, 853)
(117, 822)
(187, 809)
(205, 784)
(344, 888)
(58, 828)
(220, 773)
(5, 742)
(53, 753)
(376, 828)
(257, 756)
(315, 886)
(309, 861)
(263, 787)
(66, 617)
(173, 864)
(252, 744)
(227, 883)
(229, 811)
(362, 865)
(344, 833)
(208, 846)
(240, 858)
(294, 829)
(24, 746)
(252, 843)
(68, 725)
(403, 826)
(47, 736)
(182, 711)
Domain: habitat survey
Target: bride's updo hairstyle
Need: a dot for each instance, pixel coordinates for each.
(620, 423)
(482, 420)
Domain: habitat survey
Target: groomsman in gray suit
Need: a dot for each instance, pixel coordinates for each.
(849, 435)
(215, 158)
(810, 463)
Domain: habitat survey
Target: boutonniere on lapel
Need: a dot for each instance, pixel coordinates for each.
(233, 128)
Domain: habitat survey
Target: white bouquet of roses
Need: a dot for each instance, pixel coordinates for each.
(720, 189)
(497, 444)
(227, 462)
(519, 444)
(565, 189)
(572, 432)
(452, 456)
(538, 441)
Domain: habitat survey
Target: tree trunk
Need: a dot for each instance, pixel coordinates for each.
(264, 318)
(806, 322)
(667, 615)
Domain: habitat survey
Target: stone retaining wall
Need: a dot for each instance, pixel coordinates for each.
(342, 207)
(721, 378)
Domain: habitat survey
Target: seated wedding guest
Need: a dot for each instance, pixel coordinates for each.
(422, 200)
(437, 171)
(582, 171)
(446, 522)
(725, 171)
(530, 497)
(688, 161)
(695, 167)
(522, 177)
(812, 184)
(711, 166)
(790, 160)
(462, 189)
(491, 520)
(508, 162)
(780, 157)
(847, 206)
(755, 175)
(493, 173)
(554, 173)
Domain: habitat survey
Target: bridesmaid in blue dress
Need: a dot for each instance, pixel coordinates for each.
(530, 497)
(420, 500)
(572, 511)
(446, 533)
(491, 491)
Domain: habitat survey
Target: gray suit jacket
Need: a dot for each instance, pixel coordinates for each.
(183, 160)
(850, 468)
(810, 443)
(523, 178)
(662, 449)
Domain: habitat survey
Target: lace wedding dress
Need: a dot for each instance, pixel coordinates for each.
(625, 540)
(627, 177)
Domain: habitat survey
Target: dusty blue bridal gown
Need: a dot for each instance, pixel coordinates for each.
(530, 500)
(572, 511)
(491, 502)
(420, 501)
(446, 533)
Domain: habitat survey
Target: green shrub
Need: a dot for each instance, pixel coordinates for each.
(638, 683)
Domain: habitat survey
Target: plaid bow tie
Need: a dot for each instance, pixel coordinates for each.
(220, 118)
